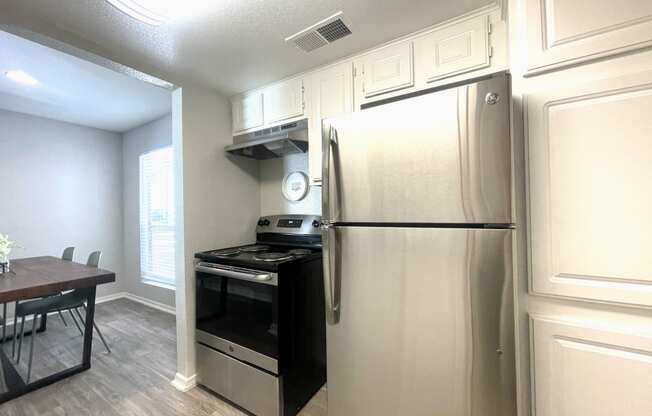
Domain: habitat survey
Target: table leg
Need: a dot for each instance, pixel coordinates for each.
(88, 327)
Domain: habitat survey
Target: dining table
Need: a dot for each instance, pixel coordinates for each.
(38, 277)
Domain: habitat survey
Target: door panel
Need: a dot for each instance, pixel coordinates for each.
(388, 69)
(582, 370)
(565, 32)
(247, 111)
(442, 157)
(284, 101)
(454, 50)
(590, 152)
(332, 95)
(424, 316)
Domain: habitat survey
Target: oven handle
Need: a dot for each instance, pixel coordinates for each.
(237, 273)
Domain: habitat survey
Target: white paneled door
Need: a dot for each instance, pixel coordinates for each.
(454, 49)
(283, 101)
(580, 370)
(247, 111)
(388, 69)
(331, 95)
(565, 32)
(590, 158)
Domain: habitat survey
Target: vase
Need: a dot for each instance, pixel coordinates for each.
(4, 265)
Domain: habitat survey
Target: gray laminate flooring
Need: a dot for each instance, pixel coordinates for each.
(134, 380)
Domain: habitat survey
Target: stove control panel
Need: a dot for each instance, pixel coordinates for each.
(290, 224)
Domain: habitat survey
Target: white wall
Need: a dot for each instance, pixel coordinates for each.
(220, 200)
(272, 172)
(143, 139)
(61, 185)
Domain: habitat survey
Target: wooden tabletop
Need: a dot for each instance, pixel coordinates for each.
(39, 276)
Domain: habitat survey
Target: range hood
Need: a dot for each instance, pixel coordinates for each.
(273, 142)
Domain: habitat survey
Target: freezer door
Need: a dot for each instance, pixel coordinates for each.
(443, 157)
(425, 325)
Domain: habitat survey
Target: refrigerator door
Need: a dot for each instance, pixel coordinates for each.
(425, 325)
(443, 157)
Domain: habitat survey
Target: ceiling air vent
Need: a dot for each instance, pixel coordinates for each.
(321, 34)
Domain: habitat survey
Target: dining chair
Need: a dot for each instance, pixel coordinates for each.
(67, 255)
(40, 307)
(70, 301)
(93, 261)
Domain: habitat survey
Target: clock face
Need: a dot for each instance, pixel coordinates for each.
(295, 186)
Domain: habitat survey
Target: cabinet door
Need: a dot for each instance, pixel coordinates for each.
(247, 111)
(332, 95)
(454, 49)
(580, 368)
(566, 32)
(283, 101)
(589, 158)
(388, 69)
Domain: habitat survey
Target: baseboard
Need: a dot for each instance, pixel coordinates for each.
(183, 383)
(147, 302)
(109, 298)
(152, 304)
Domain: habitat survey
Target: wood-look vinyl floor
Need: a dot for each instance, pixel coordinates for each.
(134, 380)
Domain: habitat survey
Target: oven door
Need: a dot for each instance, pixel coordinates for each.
(237, 313)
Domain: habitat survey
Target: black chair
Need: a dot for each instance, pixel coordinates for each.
(38, 307)
(70, 301)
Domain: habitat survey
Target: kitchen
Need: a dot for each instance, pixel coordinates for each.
(505, 108)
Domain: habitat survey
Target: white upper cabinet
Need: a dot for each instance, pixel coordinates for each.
(388, 69)
(283, 101)
(247, 111)
(565, 32)
(332, 95)
(590, 158)
(454, 49)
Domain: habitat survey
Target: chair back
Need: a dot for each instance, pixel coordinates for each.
(94, 259)
(68, 253)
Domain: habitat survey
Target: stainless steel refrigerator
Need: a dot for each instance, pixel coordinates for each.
(417, 234)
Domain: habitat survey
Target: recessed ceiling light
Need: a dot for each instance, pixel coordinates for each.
(21, 77)
(156, 12)
(152, 12)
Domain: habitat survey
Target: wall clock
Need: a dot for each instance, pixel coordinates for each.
(295, 186)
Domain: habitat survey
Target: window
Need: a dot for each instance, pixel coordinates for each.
(157, 217)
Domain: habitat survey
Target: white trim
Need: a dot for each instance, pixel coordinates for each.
(151, 303)
(109, 298)
(183, 383)
(144, 301)
(157, 283)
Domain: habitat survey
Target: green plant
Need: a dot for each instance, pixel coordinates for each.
(5, 247)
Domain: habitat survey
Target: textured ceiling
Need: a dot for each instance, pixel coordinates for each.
(231, 45)
(75, 91)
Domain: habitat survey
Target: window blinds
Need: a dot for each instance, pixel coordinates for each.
(157, 217)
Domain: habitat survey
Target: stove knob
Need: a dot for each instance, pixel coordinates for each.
(266, 223)
(316, 224)
(261, 223)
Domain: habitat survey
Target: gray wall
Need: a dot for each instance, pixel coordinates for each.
(272, 202)
(61, 185)
(220, 199)
(140, 140)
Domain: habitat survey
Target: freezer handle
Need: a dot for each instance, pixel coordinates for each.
(329, 145)
(331, 273)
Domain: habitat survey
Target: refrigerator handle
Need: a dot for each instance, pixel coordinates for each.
(331, 273)
(329, 145)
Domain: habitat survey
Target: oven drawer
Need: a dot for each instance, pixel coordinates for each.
(246, 386)
(238, 351)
